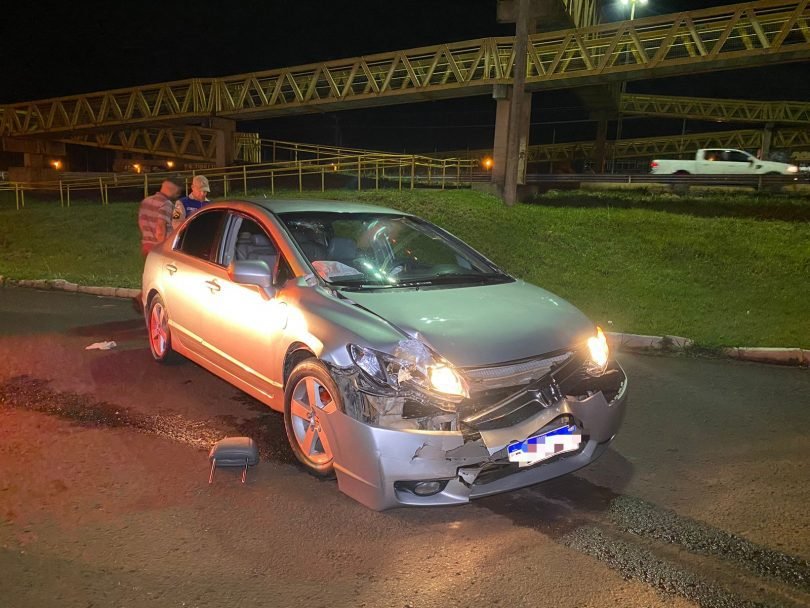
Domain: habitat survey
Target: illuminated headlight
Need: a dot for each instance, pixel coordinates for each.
(598, 352)
(420, 370)
(792, 169)
(445, 380)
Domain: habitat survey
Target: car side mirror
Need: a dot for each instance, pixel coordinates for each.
(254, 272)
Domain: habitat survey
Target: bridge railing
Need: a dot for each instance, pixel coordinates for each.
(360, 171)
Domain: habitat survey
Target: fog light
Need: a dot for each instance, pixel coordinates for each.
(427, 488)
(422, 488)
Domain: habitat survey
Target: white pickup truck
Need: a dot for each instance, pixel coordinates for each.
(720, 161)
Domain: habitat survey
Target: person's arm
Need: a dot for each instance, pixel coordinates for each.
(179, 214)
(164, 224)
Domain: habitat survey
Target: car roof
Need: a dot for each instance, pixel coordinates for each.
(278, 206)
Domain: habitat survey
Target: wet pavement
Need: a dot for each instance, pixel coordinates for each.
(702, 499)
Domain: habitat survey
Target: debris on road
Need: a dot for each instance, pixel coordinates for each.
(101, 345)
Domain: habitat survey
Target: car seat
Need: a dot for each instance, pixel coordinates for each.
(256, 247)
(342, 249)
(313, 251)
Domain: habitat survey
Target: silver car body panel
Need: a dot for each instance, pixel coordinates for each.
(497, 333)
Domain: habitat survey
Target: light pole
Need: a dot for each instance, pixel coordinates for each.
(632, 4)
(623, 89)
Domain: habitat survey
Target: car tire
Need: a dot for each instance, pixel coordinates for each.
(159, 334)
(310, 394)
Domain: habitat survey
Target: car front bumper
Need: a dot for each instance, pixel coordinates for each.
(372, 463)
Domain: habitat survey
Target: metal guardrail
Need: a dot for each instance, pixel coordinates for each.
(656, 147)
(409, 175)
(684, 182)
(369, 169)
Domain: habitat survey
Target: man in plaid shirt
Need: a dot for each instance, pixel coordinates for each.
(155, 215)
(155, 222)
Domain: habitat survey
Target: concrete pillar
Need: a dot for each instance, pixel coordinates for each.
(600, 146)
(767, 141)
(225, 141)
(500, 92)
(37, 156)
(503, 93)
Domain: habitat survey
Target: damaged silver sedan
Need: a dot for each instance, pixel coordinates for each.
(405, 363)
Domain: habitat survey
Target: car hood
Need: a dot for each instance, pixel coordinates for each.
(481, 325)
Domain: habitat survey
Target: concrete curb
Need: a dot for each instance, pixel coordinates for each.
(63, 285)
(781, 356)
(617, 340)
(642, 343)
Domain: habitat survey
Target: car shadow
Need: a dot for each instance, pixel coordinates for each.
(558, 506)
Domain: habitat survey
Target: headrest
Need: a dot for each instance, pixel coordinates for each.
(341, 248)
(261, 240)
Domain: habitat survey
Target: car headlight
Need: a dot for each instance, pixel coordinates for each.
(793, 169)
(411, 364)
(598, 352)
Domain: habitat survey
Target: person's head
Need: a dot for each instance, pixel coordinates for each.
(171, 189)
(200, 188)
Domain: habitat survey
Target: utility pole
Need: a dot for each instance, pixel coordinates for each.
(515, 152)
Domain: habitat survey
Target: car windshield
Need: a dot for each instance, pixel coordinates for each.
(376, 250)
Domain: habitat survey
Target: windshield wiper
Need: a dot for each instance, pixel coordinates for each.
(357, 286)
(468, 277)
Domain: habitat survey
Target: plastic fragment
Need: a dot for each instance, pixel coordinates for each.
(101, 346)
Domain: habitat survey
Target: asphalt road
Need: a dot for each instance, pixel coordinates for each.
(702, 499)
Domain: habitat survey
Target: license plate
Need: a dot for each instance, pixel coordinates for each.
(541, 447)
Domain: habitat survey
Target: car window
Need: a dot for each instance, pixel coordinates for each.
(201, 235)
(383, 250)
(247, 240)
(735, 156)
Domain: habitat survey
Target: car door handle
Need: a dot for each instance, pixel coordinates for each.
(171, 268)
(213, 285)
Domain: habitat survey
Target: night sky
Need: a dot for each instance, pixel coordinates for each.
(81, 47)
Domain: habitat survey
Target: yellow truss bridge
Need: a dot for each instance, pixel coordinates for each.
(722, 110)
(734, 36)
(189, 143)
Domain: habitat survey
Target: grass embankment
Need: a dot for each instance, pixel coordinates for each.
(721, 270)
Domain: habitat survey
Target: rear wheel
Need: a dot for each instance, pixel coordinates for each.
(310, 395)
(160, 337)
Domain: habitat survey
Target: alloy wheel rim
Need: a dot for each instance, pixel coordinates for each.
(158, 329)
(310, 399)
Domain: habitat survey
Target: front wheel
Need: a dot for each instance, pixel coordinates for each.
(309, 397)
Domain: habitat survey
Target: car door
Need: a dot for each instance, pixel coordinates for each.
(711, 163)
(245, 332)
(738, 162)
(187, 287)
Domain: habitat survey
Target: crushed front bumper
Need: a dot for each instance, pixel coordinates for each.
(375, 465)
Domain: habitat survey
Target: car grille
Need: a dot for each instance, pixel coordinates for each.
(504, 395)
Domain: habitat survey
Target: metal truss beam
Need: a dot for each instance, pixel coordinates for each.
(186, 143)
(723, 110)
(726, 37)
(583, 13)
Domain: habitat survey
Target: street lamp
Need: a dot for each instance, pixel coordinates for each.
(623, 89)
(632, 4)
